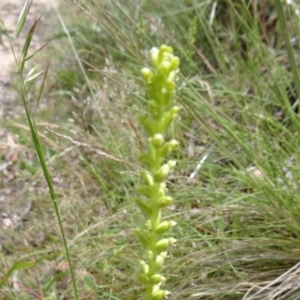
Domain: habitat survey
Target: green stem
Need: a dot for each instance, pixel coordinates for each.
(154, 236)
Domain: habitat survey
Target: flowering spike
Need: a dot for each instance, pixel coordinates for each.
(160, 84)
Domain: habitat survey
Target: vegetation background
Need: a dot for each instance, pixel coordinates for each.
(236, 187)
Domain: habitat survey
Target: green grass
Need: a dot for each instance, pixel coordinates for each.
(237, 229)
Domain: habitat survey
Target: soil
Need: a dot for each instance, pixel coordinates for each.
(10, 10)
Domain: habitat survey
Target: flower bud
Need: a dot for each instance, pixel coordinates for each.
(163, 244)
(157, 278)
(157, 140)
(171, 163)
(160, 294)
(175, 62)
(162, 189)
(169, 117)
(154, 56)
(162, 173)
(152, 107)
(164, 226)
(165, 48)
(147, 74)
(159, 261)
(164, 201)
(158, 218)
(144, 267)
(174, 111)
(147, 177)
(172, 76)
(164, 68)
(168, 147)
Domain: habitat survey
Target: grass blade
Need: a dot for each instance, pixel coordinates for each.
(22, 18)
(27, 44)
(18, 266)
(288, 45)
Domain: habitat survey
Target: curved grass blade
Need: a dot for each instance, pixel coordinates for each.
(27, 44)
(22, 18)
(18, 266)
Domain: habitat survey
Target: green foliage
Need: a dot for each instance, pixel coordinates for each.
(235, 187)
